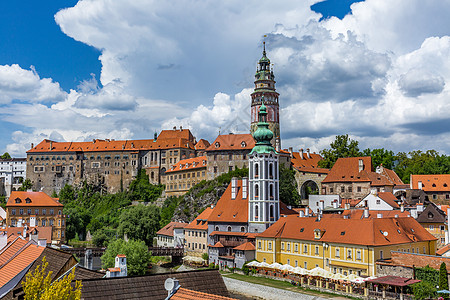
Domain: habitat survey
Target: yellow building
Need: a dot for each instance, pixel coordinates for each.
(196, 234)
(184, 175)
(347, 246)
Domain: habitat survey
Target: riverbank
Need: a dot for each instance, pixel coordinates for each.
(268, 289)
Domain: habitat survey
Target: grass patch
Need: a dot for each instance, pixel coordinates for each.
(279, 284)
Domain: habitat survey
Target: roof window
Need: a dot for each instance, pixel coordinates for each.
(434, 185)
(302, 229)
(217, 144)
(28, 200)
(243, 144)
(342, 232)
(18, 200)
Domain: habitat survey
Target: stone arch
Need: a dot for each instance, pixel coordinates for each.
(309, 187)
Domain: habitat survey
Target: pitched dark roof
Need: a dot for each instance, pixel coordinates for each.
(152, 286)
(431, 214)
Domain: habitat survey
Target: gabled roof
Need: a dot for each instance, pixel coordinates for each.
(389, 198)
(202, 145)
(443, 250)
(416, 260)
(201, 222)
(217, 245)
(188, 164)
(168, 229)
(27, 199)
(371, 232)
(12, 248)
(347, 170)
(432, 214)
(232, 142)
(231, 210)
(307, 163)
(431, 183)
(245, 247)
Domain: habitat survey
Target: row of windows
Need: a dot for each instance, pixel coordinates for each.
(196, 233)
(196, 246)
(230, 168)
(229, 157)
(186, 175)
(35, 211)
(40, 222)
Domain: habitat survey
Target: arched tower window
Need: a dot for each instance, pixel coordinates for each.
(256, 212)
(270, 170)
(256, 191)
(229, 228)
(256, 170)
(271, 191)
(271, 213)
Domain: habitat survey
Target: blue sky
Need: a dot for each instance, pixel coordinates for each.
(96, 69)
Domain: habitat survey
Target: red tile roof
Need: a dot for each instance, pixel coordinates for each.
(217, 245)
(394, 280)
(431, 183)
(185, 294)
(371, 232)
(416, 260)
(232, 142)
(303, 163)
(231, 210)
(168, 229)
(36, 198)
(359, 214)
(443, 250)
(189, 164)
(201, 222)
(19, 262)
(347, 170)
(202, 145)
(11, 249)
(389, 198)
(245, 247)
(166, 140)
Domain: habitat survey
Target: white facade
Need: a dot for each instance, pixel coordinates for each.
(373, 202)
(329, 201)
(178, 237)
(164, 240)
(12, 172)
(264, 204)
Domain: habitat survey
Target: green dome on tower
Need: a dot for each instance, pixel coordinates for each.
(263, 135)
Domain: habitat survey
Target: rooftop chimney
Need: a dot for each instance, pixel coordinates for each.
(301, 214)
(290, 150)
(301, 153)
(402, 207)
(244, 187)
(307, 153)
(366, 212)
(51, 145)
(307, 211)
(347, 205)
(3, 239)
(335, 204)
(174, 127)
(419, 185)
(379, 216)
(321, 205)
(419, 207)
(360, 165)
(233, 187)
(32, 145)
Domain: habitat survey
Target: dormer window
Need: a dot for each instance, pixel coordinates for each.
(217, 144)
(204, 162)
(18, 200)
(445, 185)
(28, 200)
(318, 233)
(187, 165)
(243, 144)
(434, 185)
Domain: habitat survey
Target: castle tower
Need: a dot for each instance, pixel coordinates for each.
(264, 204)
(265, 91)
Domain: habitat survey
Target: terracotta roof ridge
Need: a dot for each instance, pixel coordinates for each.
(18, 252)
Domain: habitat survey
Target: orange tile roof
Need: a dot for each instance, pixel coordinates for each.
(112, 145)
(19, 262)
(11, 249)
(168, 229)
(114, 269)
(347, 170)
(202, 145)
(389, 198)
(36, 198)
(303, 163)
(359, 214)
(189, 164)
(176, 134)
(369, 232)
(185, 294)
(245, 247)
(443, 250)
(201, 222)
(416, 260)
(232, 142)
(231, 210)
(432, 183)
(217, 245)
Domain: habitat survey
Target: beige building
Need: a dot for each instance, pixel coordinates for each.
(107, 163)
(36, 209)
(196, 234)
(354, 178)
(437, 187)
(184, 175)
(228, 152)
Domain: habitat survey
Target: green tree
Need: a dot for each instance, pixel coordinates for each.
(103, 235)
(342, 146)
(418, 162)
(443, 279)
(205, 256)
(138, 256)
(142, 189)
(140, 223)
(67, 194)
(424, 290)
(288, 187)
(26, 185)
(5, 156)
(381, 156)
(38, 286)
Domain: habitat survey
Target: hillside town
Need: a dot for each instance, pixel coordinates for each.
(354, 228)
